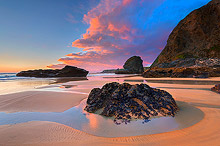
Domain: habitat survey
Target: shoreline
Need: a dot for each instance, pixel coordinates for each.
(45, 133)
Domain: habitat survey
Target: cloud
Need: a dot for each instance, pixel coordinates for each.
(56, 66)
(119, 29)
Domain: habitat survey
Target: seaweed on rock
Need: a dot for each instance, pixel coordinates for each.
(125, 102)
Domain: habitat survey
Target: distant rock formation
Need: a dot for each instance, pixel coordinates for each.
(109, 71)
(186, 68)
(67, 71)
(125, 102)
(133, 65)
(194, 40)
(216, 88)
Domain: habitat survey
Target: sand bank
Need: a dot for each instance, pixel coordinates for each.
(205, 132)
(39, 101)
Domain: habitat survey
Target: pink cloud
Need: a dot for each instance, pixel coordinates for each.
(56, 66)
(111, 37)
(119, 29)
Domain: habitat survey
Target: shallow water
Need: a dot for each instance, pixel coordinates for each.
(94, 124)
(98, 125)
(10, 83)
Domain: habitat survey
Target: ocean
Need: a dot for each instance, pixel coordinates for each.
(10, 83)
(12, 76)
(9, 76)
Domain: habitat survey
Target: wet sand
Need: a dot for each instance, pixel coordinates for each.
(204, 132)
(39, 101)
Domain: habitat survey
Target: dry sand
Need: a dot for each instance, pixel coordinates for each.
(205, 132)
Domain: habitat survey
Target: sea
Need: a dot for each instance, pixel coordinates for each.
(9, 76)
(77, 118)
(10, 83)
(12, 76)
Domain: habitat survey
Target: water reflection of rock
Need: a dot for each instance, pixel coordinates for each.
(68, 79)
(99, 125)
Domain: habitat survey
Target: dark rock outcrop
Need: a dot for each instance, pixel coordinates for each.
(133, 65)
(216, 88)
(67, 71)
(196, 36)
(109, 71)
(191, 67)
(183, 72)
(191, 62)
(125, 102)
(124, 71)
(194, 44)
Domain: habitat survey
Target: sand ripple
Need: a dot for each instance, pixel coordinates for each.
(203, 132)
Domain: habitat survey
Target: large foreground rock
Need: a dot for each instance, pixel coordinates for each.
(125, 102)
(67, 71)
(133, 65)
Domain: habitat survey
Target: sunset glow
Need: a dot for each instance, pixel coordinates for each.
(109, 72)
(103, 33)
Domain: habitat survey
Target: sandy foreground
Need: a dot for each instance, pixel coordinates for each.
(39, 101)
(205, 132)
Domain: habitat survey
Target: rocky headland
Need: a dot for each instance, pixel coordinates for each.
(67, 71)
(133, 65)
(125, 102)
(186, 68)
(193, 47)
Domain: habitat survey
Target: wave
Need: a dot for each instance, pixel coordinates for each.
(10, 76)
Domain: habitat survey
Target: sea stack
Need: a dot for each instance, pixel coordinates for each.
(134, 65)
(193, 46)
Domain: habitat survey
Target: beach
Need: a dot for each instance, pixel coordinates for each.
(110, 72)
(196, 127)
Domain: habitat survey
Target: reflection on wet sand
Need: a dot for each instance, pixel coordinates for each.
(13, 86)
(93, 122)
(98, 125)
(187, 82)
(68, 79)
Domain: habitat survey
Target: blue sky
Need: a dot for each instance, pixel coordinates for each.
(36, 33)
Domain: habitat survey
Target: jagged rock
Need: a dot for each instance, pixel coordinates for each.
(133, 65)
(191, 62)
(183, 72)
(124, 71)
(216, 88)
(126, 102)
(109, 71)
(67, 71)
(211, 62)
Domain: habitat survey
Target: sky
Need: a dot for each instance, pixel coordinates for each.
(90, 34)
